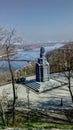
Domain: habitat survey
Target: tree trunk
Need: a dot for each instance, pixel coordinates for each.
(3, 116)
(13, 85)
(70, 88)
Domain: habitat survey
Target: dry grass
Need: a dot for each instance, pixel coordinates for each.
(4, 78)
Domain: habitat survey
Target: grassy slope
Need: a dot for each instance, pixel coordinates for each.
(36, 120)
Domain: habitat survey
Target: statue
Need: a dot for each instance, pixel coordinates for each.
(42, 51)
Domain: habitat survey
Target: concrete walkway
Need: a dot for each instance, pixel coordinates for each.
(46, 100)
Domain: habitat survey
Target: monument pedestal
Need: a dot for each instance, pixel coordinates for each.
(43, 86)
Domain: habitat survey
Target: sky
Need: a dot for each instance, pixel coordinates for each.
(38, 20)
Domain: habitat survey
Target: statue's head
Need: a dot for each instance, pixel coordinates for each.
(42, 51)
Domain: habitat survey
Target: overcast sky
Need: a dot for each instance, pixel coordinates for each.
(39, 20)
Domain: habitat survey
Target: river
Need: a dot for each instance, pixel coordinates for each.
(25, 55)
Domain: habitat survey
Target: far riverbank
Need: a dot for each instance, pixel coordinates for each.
(5, 55)
(25, 55)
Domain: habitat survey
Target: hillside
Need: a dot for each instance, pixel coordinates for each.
(60, 57)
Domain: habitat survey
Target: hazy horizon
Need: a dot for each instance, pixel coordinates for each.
(39, 20)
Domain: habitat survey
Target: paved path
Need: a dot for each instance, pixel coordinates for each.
(47, 100)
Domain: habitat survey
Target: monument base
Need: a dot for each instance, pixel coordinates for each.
(43, 86)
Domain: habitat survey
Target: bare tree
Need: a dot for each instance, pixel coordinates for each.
(67, 67)
(8, 48)
(61, 60)
(8, 40)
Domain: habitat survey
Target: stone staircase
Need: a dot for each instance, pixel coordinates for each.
(33, 85)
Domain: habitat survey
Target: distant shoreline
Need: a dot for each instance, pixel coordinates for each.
(5, 55)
